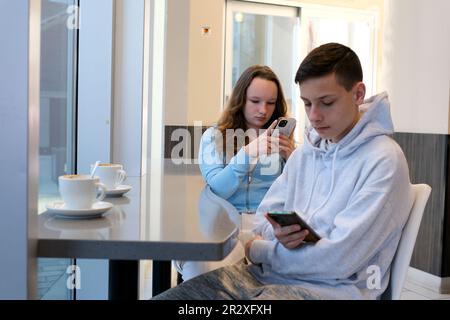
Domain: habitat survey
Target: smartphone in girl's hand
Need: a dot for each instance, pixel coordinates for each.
(286, 126)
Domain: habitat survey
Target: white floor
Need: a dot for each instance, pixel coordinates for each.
(411, 291)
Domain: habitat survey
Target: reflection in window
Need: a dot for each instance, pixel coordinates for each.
(57, 107)
(57, 119)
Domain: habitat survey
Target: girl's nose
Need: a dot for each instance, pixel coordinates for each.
(263, 108)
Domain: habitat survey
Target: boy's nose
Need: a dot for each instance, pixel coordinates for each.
(314, 114)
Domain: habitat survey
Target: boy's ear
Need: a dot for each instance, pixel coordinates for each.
(359, 93)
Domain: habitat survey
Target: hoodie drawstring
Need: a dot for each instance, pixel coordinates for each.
(314, 183)
(333, 169)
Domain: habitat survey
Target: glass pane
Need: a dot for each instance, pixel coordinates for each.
(56, 101)
(258, 39)
(52, 279)
(57, 109)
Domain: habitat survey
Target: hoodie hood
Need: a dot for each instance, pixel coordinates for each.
(375, 120)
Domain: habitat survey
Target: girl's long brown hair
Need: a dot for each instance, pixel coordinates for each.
(233, 117)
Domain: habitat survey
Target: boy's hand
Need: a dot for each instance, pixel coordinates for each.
(289, 236)
(248, 246)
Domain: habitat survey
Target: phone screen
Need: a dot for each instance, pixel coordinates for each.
(287, 218)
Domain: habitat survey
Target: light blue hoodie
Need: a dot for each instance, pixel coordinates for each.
(239, 181)
(356, 194)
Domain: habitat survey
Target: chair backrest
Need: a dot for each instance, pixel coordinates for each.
(212, 207)
(402, 258)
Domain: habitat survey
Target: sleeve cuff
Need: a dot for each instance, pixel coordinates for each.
(259, 251)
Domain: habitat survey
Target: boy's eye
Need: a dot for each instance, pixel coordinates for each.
(328, 103)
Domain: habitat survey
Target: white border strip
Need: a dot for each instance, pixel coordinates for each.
(157, 114)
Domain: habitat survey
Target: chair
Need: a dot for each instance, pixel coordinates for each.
(217, 216)
(402, 258)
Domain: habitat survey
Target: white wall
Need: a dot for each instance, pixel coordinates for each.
(19, 141)
(194, 67)
(416, 64)
(206, 56)
(177, 57)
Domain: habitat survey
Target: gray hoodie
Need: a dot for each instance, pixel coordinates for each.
(356, 194)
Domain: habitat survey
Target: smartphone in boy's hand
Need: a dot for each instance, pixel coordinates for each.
(287, 218)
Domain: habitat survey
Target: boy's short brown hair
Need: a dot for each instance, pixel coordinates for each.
(329, 58)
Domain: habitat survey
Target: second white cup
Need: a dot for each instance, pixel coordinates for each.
(111, 175)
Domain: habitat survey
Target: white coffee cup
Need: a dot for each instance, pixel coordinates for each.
(111, 175)
(80, 191)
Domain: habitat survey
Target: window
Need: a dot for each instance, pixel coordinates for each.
(57, 125)
(57, 100)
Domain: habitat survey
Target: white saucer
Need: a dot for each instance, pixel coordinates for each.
(98, 208)
(118, 191)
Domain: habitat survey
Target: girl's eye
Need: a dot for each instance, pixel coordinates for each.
(255, 101)
(328, 103)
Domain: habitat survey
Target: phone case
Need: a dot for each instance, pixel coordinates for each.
(290, 217)
(288, 128)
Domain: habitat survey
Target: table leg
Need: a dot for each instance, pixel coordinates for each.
(162, 274)
(123, 280)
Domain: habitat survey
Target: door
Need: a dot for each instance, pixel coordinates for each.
(263, 34)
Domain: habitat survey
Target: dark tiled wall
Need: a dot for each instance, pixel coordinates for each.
(185, 139)
(427, 156)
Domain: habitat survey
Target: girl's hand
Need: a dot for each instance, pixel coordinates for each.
(286, 145)
(264, 144)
